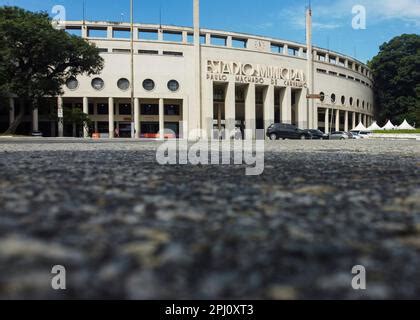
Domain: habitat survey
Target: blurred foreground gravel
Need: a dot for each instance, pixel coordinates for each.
(127, 228)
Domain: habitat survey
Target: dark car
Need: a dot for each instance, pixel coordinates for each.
(317, 134)
(286, 131)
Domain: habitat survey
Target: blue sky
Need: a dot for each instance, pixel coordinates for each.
(280, 19)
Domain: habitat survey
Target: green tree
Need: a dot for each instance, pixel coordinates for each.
(396, 71)
(36, 59)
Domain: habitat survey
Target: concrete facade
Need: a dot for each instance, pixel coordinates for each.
(208, 79)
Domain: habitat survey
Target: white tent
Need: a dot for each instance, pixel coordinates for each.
(388, 126)
(360, 127)
(374, 126)
(405, 126)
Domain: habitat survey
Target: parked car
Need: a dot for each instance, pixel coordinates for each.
(317, 134)
(355, 134)
(365, 134)
(286, 131)
(362, 134)
(339, 135)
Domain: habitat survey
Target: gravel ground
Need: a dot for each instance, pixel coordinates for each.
(127, 228)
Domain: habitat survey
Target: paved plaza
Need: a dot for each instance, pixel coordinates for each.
(126, 227)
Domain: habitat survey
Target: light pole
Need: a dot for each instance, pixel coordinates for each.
(133, 133)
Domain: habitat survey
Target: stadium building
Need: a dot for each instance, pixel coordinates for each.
(192, 78)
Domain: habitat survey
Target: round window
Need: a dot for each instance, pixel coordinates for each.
(98, 84)
(173, 85)
(322, 98)
(333, 98)
(123, 84)
(72, 83)
(148, 84)
(343, 99)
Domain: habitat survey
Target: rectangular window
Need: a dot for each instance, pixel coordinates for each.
(148, 52)
(321, 70)
(333, 60)
(102, 50)
(91, 109)
(203, 39)
(124, 109)
(219, 94)
(149, 109)
(172, 110)
(148, 35)
(121, 33)
(190, 38)
(172, 36)
(293, 51)
(321, 57)
(121, 50)
(74, 31)
(102, 108)
(218, 41)
(276, 48)
(149, 128)
(173, 53)
(97, 33)
(332, 73)
(239, 43)
(342, 75)
(103, 127)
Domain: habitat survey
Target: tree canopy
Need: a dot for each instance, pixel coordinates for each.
(36, 59)
(396, 72)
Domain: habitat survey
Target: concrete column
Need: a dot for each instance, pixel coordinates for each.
(11, 110)
(250, 112)
(346, 121)
(208, 38)
(302, 112)
(135, 34)
(353, 120)
(84, 32)
(327, 120)
(60, 119)
(315, 120)
(286, 49)
(268, 106)
(230, 113)
(286, 105)
(229, 42)
(184, 37)
(111, 117)
(337, 120)
(86, 111)
(35, 120)
(160, 34)
(161, 119)
(109, 32)
(137, 127)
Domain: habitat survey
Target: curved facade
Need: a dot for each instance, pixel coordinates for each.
(229, 80)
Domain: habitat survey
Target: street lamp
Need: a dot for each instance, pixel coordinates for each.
(133, 133)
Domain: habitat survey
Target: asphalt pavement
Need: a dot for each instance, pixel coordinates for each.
(126, 227)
